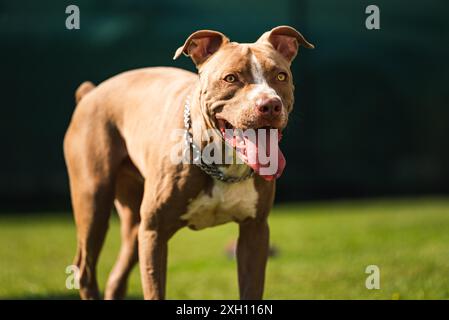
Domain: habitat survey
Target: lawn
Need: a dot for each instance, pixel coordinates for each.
(323, 250)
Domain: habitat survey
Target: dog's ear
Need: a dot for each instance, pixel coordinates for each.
(201, 44)
(286, 40)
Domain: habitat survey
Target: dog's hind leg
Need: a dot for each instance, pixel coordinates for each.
(128, 197)
(92, 211)
(93, 154)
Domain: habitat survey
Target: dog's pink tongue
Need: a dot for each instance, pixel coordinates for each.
(254, 149)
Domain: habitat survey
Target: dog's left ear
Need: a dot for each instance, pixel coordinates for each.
(286, 40)
(201, 44)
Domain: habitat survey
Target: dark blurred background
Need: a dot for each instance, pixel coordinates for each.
(372, 107)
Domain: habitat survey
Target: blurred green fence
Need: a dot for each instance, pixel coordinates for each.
(372, 111)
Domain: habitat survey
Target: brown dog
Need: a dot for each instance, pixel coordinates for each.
(118, 151)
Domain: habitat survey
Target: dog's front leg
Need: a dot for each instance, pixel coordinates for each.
(252, 254)
(152, 243)
(153, 260)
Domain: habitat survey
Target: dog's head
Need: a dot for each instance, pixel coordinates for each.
(246, 86)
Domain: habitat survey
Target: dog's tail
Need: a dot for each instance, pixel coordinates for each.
(83, 89)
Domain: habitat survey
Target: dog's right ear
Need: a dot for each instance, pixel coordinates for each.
(201, 44)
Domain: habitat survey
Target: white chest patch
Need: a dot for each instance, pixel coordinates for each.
(227, 202)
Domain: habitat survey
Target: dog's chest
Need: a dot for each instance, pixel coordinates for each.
(226, 202)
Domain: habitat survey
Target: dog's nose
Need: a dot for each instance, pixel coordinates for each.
(269, 107)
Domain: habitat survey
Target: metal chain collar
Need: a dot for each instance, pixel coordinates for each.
(211, 169)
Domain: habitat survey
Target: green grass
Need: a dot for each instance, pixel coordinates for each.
(324, 249)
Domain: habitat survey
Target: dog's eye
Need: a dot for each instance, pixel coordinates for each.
(230, 78)
(282, 76)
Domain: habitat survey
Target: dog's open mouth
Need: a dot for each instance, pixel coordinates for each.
(258, 148)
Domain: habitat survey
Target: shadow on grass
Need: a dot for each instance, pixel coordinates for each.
(57, 296)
